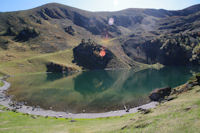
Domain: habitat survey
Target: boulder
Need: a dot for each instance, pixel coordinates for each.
(91, 56)
(159, 94)
(70, 30)
(198, 79)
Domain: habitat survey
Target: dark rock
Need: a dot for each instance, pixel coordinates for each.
(144, 111)
(34, 117)
(70, 30)
(126, 109)
(7, 109)
(159, 94)
(10, 32)
(187, 109)
(143, 125)
(26, 34)
(18, 107)
(198, 79)
(53, 67)
(124, 127)
(197, 90)
(184, 88)
(194, 84)
(170, 98)
(14, 110)
(88, 55)
(73, 121)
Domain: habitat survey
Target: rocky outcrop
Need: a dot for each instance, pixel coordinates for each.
(69, 30)
(57, 68)
(93, 56)
(194, 81)
(198, 79)
(172, 49)
(159, 94)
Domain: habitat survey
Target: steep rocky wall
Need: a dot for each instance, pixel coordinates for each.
(88, 55)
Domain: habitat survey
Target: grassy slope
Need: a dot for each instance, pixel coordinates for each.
(180, 115)
(1, 75)
(14, 62)
(36, 63)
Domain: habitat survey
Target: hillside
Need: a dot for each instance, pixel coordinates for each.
(135, 36)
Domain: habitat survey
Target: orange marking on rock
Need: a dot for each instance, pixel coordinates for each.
(102, 53)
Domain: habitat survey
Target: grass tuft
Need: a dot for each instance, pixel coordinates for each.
(1, 83)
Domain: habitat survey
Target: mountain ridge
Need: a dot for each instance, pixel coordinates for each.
(56, 27)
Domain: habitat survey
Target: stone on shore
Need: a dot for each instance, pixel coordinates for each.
(159, 94)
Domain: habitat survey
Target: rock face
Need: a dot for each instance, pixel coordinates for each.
(57, 68)
(198, 79)
(93, 56)
(194, 81)
(70, 30)
(159, 94)
(173, 49)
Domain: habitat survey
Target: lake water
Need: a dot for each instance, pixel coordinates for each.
(95, 91)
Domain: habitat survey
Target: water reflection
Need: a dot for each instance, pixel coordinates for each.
(95, 91)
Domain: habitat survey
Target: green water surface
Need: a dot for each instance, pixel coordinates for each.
(95, 91)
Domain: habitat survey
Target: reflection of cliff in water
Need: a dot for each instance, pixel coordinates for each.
(151, 78)
(93, 82)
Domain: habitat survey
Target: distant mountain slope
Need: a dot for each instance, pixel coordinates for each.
(54, 27)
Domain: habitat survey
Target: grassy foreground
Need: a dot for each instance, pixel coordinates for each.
(179, 115)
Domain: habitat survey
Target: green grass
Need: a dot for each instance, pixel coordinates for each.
(17, 122)
(1, 83)
(37, 63)
(181, 115)
(1, 74)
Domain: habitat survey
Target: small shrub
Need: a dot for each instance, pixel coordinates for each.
(26, 34)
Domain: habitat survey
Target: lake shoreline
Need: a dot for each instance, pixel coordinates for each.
(7, 102)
